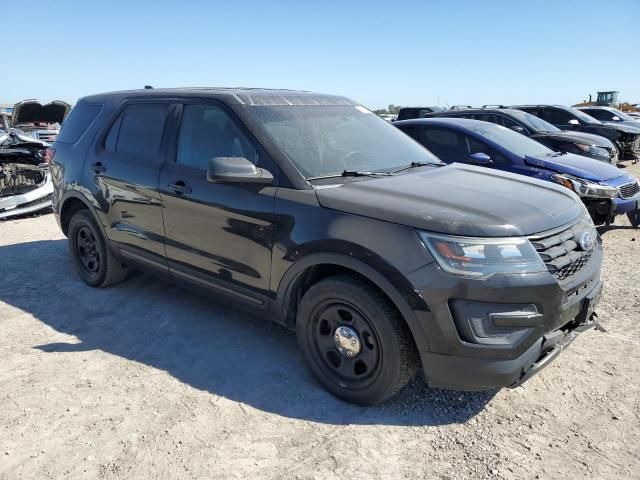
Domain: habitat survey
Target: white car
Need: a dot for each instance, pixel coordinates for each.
(25, 178)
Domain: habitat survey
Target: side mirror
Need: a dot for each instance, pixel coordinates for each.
(573, 121)
(615, 118)
(236, 170)
(480, 158)
(518, 128)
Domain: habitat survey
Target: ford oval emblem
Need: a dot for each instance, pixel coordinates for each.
(587, 240)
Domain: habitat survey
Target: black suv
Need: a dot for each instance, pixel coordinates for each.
(585, 144)
(626, 138)
(406, 113)
(312, 211)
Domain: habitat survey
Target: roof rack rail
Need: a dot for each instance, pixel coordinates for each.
(491, 105)
(460, 107)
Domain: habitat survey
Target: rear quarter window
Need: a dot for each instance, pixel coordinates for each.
(78, 121)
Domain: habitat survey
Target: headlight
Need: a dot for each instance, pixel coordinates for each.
(585, 188)
(593, 150)
(482, 257)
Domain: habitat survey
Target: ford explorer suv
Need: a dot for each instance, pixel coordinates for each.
(311, 211)
(580, 143)
(606, 191)
(626, 138)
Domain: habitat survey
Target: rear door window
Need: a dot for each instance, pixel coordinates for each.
(139, 130)
(78, 121)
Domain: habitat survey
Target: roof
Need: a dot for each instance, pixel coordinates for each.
(513, 111)
(442, 121)
(237, 95)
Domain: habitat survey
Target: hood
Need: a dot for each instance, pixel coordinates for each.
(627, 123)
(576, 165)
(626, 127)
(459, 200)
(31, 111)
(577, 137)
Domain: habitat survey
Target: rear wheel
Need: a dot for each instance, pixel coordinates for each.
(95, 264)
(354, 341)
(634, 218)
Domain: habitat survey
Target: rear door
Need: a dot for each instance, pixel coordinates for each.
(218, 235)
(123, 167)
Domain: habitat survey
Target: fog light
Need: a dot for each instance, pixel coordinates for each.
(494, 323)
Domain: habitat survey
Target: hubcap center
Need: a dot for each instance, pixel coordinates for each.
(347, 341)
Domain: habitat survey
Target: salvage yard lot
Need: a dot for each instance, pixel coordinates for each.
(147, 380)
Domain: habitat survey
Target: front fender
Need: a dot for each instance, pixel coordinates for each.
(384, 276)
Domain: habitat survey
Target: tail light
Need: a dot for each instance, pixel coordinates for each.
(49, 153)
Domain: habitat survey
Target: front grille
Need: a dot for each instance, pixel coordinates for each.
(629, 190)
(561, 251)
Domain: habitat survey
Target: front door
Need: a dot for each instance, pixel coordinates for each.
(218, 235)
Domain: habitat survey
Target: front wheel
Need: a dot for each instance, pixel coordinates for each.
(634, 218)
(355, 341)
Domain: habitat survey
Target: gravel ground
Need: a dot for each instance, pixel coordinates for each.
(146, 380)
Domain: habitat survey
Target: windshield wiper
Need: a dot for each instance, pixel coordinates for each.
(558, 154)
(419, 164)
(353, 173)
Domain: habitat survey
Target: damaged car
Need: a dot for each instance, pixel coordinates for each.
(40, 121)
(25, 179)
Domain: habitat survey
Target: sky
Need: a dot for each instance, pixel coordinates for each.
(427, 52)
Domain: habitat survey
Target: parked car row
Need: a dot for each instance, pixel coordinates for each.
(606, 191)
(313, 212)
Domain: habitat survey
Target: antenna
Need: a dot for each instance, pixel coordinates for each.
(148, 87)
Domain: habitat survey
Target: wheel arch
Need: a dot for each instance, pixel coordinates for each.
(73, 202)
(315, 267)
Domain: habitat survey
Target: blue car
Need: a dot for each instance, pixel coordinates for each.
(606, 191)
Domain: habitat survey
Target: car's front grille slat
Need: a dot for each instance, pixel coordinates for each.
(561, 251)
(629, 190)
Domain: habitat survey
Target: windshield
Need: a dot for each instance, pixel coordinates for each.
(533, 122)
(621, 115)
(583, 116)
(512, 141)
(327, 140)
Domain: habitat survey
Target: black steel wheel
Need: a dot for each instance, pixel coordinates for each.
(346, 343)
(94, 262)
(87, 250)
(354, 340)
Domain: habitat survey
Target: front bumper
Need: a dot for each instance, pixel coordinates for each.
(555, 313)
(626, 205)
(630, 150)
(24, 203)
(462, 373)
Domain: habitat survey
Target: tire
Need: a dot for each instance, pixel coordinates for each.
(634, 218)
(94, 262)
(367, 368)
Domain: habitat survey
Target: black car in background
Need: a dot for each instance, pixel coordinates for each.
(585, 144)
(610, 115)
(406, 113)
(626, 138)
(312, 211)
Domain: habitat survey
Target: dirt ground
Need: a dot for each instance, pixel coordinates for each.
(146, 380)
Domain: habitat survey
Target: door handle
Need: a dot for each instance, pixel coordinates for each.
(180, 187)
(98, 167)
